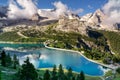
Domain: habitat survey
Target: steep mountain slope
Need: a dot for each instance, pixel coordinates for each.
(94, 20)
(71, 31)
(97, 17)
(71, 25)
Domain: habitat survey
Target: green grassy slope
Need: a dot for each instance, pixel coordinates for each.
(113, 39)
(9, 36)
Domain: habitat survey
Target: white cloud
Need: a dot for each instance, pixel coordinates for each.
(112, 10)
(27, 10)
(60, 9)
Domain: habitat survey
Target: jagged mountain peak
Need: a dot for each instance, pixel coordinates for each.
(86, 17)
(99, 12)
(97, 17)
(93, 17)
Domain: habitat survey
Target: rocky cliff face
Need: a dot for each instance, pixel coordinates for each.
(94, 20)
(72, 22)
(97, 17)
(71, 25)
(81, 25)
(66, 23)
(35, 17)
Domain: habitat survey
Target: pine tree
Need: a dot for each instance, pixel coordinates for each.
(3, 58)
(8, 60)
(73, 78)
(60, 71)
(69, 74)
(28, 72)
(81, 76)
(61, 75)
(15, 61)
(0, 75)
(54, 72)
(46, 75)
(18, 74)
(78, 77)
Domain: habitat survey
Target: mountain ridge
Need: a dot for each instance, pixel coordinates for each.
(87, 27)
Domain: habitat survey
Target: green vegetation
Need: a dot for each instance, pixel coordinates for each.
(3, 59)
(108, 73)
(81, 76)
(61, 75)
(118, 70)
(15, 61)
(95, 45)
(28, 72)
(113, 39)
(112, 76)
(117, 77)
(46, 75)
(58, 36)
(6, 60)
(7, 73)
(9, 36)
(68, 40)
(0, 74)
(31, 39)
(70, 74)
(14, 37)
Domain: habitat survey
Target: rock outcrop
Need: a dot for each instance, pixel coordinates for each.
(35, 17)
(71, 25)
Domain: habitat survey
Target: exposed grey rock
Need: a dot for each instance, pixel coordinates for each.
(71, 25)
(35, 17)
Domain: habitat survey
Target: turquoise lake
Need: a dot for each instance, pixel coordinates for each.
(49, 57)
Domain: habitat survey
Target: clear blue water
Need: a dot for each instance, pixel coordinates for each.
(49, 57)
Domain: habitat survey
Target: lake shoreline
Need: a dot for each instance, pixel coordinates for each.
(45, 45)
(8, 42)
(80, 54)
(65, 70)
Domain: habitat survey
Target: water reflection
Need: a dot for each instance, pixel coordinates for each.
(45, 58)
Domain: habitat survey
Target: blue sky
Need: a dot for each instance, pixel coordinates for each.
(87, 5)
